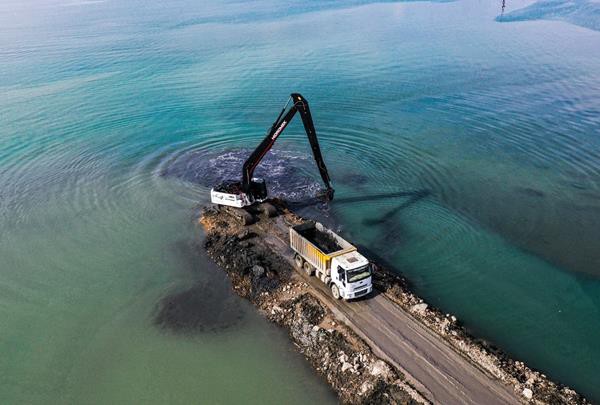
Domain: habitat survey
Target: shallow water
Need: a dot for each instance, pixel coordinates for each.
(462, 142)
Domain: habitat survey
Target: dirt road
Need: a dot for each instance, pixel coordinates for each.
(429, 363)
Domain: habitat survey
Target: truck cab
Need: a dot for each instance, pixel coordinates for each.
(351, 274)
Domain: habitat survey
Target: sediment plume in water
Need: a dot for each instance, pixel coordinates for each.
(202, 308)
(206, 307)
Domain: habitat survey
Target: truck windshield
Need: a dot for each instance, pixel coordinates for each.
(358, 274)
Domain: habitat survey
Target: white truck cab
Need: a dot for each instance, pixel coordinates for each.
(351, 273)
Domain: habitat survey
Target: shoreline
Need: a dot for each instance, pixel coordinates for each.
(336, 347)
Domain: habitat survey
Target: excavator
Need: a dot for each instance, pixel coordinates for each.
(247, 197)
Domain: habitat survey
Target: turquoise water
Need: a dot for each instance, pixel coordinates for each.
(462, 141)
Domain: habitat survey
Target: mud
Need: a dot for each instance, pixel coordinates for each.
(322, 240)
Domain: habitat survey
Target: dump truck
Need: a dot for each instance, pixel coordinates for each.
(335, 261)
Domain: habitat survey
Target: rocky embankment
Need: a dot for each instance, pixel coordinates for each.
(336, 352)
(271, 284)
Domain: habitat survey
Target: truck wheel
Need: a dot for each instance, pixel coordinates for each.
(335, 291)
(298, 261)
(308, 269)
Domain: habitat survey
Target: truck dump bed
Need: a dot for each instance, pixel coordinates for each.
(317, 243)
(322, 240)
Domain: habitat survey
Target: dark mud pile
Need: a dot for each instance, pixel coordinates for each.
(251, 268)
(322, 240)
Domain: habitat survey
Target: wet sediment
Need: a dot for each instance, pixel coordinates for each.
(322, 240)
(336, 352)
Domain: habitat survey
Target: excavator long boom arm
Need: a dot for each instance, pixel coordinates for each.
(299, 104)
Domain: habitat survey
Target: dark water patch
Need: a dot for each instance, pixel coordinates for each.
(556, 226)
(584, 13)
(392, 230)
(594, 209)
(206, 307)
(286, 173)
(411, 194)
(589, 195)
(322, 240)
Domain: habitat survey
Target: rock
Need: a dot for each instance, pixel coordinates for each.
(346, 366)
(527, 393)
(367, 386)
(245, 234)
(258, 271)
(380, 369)
(419, 308)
